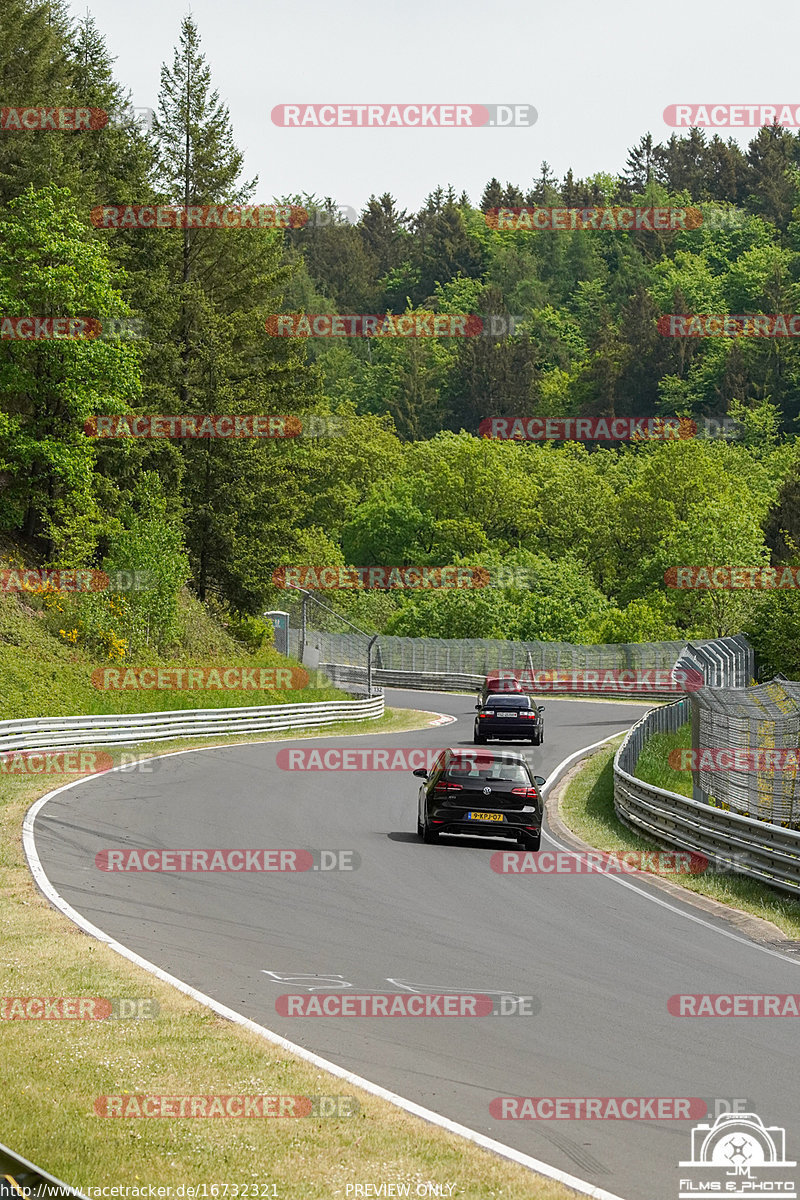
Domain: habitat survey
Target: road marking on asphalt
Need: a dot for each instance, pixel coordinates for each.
(409, 1106)
(553, 779)
(434, 1118)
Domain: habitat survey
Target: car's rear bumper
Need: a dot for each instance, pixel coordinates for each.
(512, 825)
(509, 730)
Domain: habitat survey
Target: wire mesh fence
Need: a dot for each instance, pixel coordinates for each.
(321, 637)
(727, 713)
(668, 718)
(762, 722)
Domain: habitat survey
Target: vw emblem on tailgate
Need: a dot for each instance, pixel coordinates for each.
(487, 791)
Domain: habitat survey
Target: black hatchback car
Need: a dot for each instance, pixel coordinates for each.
(509, 717)
(487, 793)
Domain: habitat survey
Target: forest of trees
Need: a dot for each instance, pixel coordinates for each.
(589, 529)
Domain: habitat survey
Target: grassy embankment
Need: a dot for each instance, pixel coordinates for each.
(54, 1070)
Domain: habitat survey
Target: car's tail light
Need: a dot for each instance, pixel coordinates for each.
(448, 787)
(485, 714)
(530, 716)
(528, 793)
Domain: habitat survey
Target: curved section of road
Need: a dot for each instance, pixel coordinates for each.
(600, 955)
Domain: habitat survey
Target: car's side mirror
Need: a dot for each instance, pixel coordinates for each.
(541, 707)
(421, 773)
(478, 707)
(539, 780)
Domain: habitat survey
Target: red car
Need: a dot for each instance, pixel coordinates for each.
(500, 682)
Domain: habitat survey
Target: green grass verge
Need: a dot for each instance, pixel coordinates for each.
(653, 765)
(587, 808)
(54, 1070)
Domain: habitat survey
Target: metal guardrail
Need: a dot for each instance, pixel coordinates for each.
(745, 846)
(19, 1177)
(342, 674)
(56, 733)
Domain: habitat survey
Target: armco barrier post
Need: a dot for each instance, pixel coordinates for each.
(369, 666)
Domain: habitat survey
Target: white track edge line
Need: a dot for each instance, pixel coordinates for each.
(552, 779)
(417, 1110)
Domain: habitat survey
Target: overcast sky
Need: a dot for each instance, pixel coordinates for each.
(599, 74)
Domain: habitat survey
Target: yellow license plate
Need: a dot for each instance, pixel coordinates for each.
(477, 816)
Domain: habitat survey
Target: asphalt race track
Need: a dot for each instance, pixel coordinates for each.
(601, 955)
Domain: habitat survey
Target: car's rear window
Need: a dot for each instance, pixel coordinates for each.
(507, 702)
(496, 769)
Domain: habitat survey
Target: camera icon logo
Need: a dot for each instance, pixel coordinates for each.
(737, 1146)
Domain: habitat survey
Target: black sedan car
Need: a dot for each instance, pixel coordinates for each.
(487, 793)
(509, 718)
